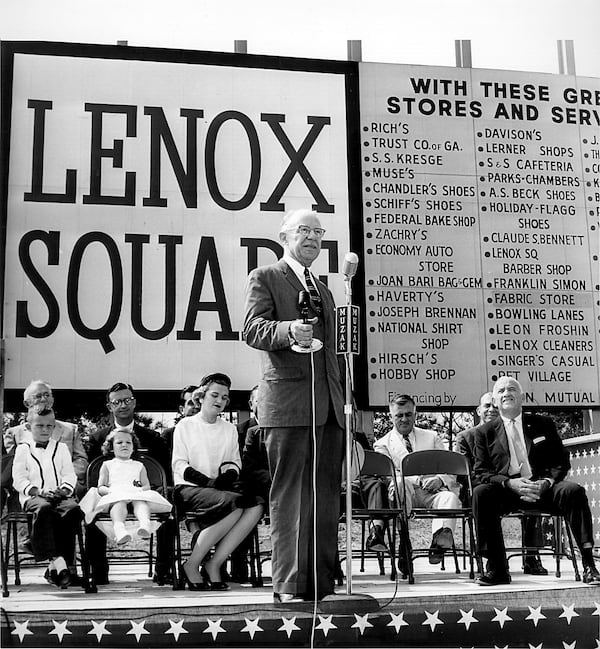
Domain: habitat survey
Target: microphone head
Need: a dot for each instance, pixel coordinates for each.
(303, 300)
(350, 264)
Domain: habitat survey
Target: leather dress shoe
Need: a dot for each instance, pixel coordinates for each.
(375, 541)
(210, 584)
(493, 578)
(161, 578)
(533, 566)
(287, 598)
(442, 540)
(27, 546)
(591, 576)
(61, 579)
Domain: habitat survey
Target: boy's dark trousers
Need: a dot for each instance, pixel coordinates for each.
(54, 527)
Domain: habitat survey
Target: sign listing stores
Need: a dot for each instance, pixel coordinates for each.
(481, 204)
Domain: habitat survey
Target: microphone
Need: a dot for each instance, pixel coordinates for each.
(304, 305)
(350, 265)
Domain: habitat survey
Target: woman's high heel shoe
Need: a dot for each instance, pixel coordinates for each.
(193, 585)
(210, 584)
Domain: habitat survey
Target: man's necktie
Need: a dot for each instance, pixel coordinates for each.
(315, 298)
(407, 443)
(41, 444)
(520, 451)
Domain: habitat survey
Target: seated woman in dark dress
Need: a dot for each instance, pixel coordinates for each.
(206, 461)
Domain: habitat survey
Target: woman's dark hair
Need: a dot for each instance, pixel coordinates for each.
(217, 377)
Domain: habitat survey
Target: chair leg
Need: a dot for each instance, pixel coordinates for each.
(4, 566)
(406, 547)
(569, 535)
(85, 565)
(175, 554)
(455, 558)
(391, 541)
(362, 546)
(15, 542)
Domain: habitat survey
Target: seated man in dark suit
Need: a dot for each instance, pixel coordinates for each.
(520, 463)
(255, 477)
(187, 408)
(121, 404)
(532, 529)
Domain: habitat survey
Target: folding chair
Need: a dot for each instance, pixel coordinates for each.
(557, 546)
(158, 482)
(433, 462)
(12, 518)
(254, 552)
(379, 466)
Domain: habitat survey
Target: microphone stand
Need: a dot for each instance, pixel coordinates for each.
(350, 603)
(348, 426)
(367, 602)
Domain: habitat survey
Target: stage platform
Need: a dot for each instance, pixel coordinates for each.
(442, 609)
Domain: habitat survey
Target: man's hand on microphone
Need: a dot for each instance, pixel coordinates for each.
(302, 332)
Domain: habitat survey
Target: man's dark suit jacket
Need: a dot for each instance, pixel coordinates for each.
(465, 444)
(547, 456)
(284, 395)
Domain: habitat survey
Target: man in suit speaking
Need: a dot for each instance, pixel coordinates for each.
(520, 463)
(298, 391)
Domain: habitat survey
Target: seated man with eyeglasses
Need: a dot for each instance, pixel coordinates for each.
(38, 394)
(121, 403)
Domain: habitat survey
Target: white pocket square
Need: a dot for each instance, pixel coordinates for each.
(537, 440)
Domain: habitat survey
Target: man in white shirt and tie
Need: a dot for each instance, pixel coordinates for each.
(520, 463)
(432, 491)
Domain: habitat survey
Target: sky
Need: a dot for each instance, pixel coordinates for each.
(504, 34)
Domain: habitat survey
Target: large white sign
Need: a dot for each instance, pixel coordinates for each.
(141, 193)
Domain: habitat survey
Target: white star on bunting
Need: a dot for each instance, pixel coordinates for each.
(569, 612)
(60, 629)
(99, 629)
(539, 646)
(252, 627)
(21, 630)
(467, 618)
(214, 628)
(325, 624)
(137, 629)
(362, 622)
(432, 620)
(501, 617)
(289, 626)
(176, 628)
(597, 611)
(397, 621)
(597, 644)
(570, 646)
(535, 615)
(497, 647)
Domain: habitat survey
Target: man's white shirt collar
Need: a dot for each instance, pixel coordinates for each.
(297, 267)
(518, 421)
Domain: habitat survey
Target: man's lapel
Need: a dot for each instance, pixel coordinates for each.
(501, 437)
(527, 433)
(290, 276)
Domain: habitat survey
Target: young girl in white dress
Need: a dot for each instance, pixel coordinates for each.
(123, 480)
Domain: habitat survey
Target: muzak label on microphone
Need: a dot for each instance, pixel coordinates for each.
(347, 339)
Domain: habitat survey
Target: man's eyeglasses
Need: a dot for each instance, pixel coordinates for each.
(117, 402)
(38, 396)
(305, 230)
